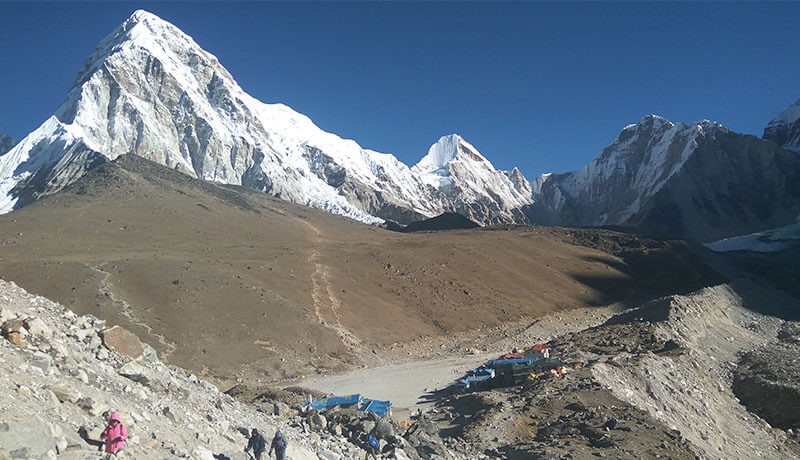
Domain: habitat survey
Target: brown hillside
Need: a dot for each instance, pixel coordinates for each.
(226, 281)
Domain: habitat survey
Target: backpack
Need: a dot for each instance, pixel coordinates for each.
(260, 445)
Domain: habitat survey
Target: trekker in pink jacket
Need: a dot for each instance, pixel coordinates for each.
(115, 435)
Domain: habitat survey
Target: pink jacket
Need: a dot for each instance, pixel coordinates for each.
(115, 434)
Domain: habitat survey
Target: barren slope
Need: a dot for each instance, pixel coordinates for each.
(229, 282)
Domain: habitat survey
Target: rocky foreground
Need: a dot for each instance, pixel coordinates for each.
(61, 376)
(695, 376)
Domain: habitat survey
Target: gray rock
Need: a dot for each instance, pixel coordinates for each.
(91, 406)
(82, 376)
(168, 413)
(45, 363)
(37, 326)
(135, 372)
(200, 453)
(94, 342)
(317, 421)
(22, 452)
(328, 455)
(280, 409)
(384, 428)
(28, 438)
(64, 394)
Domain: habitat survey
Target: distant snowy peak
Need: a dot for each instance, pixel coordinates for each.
(446, 150)
(784, 129)
(435, 168)
(695, 180)
(521, 184)
(644, 156)
(471, 185)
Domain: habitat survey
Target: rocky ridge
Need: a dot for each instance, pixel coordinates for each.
(699, 181)
(673, 378)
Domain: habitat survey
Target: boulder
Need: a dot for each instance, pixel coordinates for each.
(123, 342)
(37, 326)
(384, 428)
(317, 421)
(135, 372)
(200, 453)
(11, 325)
(64, 394)
(29, 438)
(15, 338)
(91, 406)
(45, 363)
(280, 409)
(12, 331)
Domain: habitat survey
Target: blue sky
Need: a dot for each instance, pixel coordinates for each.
(541, 86)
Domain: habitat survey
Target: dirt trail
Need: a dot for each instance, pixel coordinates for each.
(322, 293)
(108, 290)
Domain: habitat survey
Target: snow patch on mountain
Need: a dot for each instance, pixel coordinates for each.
(773, 240)
(42, 149)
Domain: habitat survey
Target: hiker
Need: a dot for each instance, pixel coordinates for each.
(257, 443)
(372, 446)
(114, 436)
(279, 446)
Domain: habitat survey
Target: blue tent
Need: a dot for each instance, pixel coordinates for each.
(381, 408)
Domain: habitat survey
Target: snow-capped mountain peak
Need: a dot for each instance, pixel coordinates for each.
(446, 150)
(151, 90)
(695, 179)
(457, 170)
(784, 129)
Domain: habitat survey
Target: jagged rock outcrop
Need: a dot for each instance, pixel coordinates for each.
(700, 181)
(784, 129)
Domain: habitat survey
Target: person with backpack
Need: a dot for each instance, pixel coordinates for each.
(279, 445)
(114, 436)
(257, 443)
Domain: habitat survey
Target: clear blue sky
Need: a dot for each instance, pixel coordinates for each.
(542, 86)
